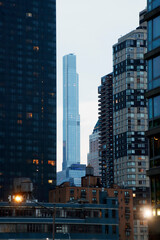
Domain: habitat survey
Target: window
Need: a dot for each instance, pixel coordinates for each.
(114, 229)
(35, 161)
(28, 14)
(154, 73)
(106, 213)
(115, 193)
(156, 107)
(29, 115)
(107, 229)
(156, 28)
(51, 162)
(94, 192)
(113, 213)
(71, 191)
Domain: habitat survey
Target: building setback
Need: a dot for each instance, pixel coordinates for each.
(93, 155)
(153, 94)
(71, 117)
(28, 95)
(130, 120)
(105, 99)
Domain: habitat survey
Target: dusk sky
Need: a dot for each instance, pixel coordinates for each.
(89, 28)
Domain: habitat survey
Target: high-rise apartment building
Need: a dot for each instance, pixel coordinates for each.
(130, 120)
(93, 155)
(71, 117)
(105, 100)
(153, 94)
(28, 95)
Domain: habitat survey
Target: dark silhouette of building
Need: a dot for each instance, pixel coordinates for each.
(153, 94)
(105, 92)
(28, 95)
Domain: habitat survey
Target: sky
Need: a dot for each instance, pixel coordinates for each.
(89, 29)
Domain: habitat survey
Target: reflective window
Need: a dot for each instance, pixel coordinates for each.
(156, 68)
(155, 150)
(156, 28)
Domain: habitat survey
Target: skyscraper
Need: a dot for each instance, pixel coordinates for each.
(153, 95)
(130, 120)
(105, 96)
(71, 117)
(28, 95)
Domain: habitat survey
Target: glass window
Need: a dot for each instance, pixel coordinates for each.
(150, 109)
(156, 106)
(156, 146)
(157, 190)
(114, 229)
(156, 68)
(156, 28)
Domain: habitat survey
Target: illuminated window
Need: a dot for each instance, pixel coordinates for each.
(52, 94)
(158, 212)
(36, 48)
(50, 181)
(29, 115)
(28, 14)
(51, 162)
(19, 121)
(154, 212)
(35, 161)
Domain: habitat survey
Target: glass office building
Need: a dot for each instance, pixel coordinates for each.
(153, 58)
(71, 117)
(28, 94)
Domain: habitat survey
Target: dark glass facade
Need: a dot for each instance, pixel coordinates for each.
(28, 94)
(105, 92)
(153, 95)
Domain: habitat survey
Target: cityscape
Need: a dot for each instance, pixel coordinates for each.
(80, 120)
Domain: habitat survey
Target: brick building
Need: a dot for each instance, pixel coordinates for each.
(91, 192)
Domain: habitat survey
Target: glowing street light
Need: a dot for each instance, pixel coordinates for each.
(147, 213)
(18, 198)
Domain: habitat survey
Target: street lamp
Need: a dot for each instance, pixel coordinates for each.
(147, 213)
(19, 199)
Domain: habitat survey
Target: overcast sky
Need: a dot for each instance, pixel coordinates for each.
(89, 28)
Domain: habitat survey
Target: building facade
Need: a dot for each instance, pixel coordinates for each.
(93, 155)
(92, 193)
(153, 94)
(72, 221)
(105, 99)
(71, 117)
(72, 175)
(28, 95)
(130, 120)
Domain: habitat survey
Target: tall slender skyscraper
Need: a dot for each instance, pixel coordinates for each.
(28, 95)
(71, 117)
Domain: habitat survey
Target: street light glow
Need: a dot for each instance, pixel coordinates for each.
(147, 213)
(18, 198)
